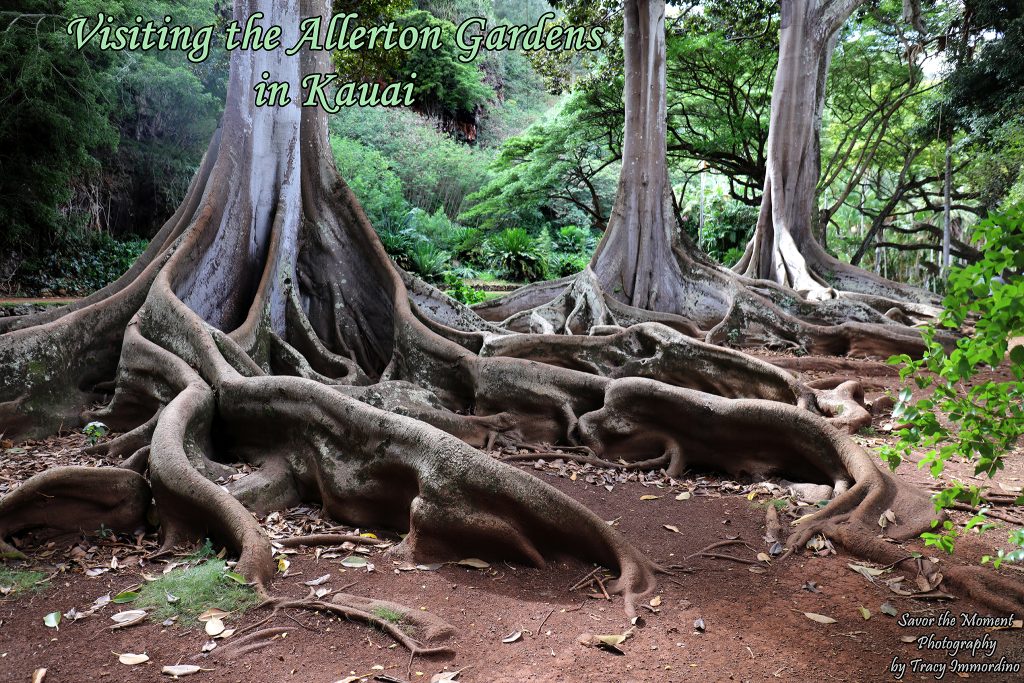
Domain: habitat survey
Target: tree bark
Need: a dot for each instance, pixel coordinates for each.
(634, 260)
(784, 249)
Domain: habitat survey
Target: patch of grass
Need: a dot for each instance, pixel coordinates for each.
(19, 580)
(198, 588)
(389, 615)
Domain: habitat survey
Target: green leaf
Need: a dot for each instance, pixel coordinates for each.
(52, 620)
(126, 596)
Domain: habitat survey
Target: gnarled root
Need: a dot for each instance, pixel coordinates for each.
(74, 500)
(398, 621)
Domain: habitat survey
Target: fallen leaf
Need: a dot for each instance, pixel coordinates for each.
(225, 634)
(433, 567)
(214, 627)
(649, 497)
(52, 620)
(131, 659)
(283, 564)
(474, 563)
(820, 618)
(888, 608)
(763, 557)
(171, 598)
(685, 495)
(209, 646)
(213, 613)
(752, 495)
(236, 577)
(888, 517)
(512, 637)
(655, 601)
(317, 581)
(127, 618)
(354, 561)
(868, 573)
(811, 586)
(180, 670)
(38, 675)
(864, 612)
(445, 676)
(908, 639)
(757, 569)
(672, 528)
(124, 597)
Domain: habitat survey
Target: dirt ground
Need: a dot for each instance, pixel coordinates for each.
(712, 619)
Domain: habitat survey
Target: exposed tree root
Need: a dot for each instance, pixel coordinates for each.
(325, 539)
(74, 500)
(410, 628)
(267, 326)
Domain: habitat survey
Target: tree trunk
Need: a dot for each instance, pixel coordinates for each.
(788, 203)
(634, 260)
(784, 249)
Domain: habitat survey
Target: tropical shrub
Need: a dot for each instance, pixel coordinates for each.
(986, 420)
(516, 255)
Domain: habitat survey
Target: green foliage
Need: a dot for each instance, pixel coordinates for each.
(516, 255)
(434, 170)
(558, 170)
(369, 175)
(563, 265)
(48, 130)
(92, 139)
(80, 264)
(443, 82)
(461, 292)
(428, 261)
(94, 431)
(575, 240)
(198, 587)
(987, 419)
(728, 226)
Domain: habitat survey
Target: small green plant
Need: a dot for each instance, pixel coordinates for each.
(516, 255)
(94, 431)
(573, 239)
(467, 244)
(428, 261)
(389, 615)
(563, 265)
(461, 292)
(986, 420)
(18, 580)
(190, 591)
